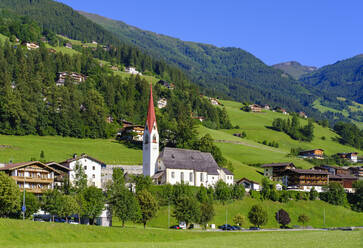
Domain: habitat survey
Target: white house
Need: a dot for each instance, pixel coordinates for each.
(249, 184)
(174, 165)
(162, 103)
(132, 70)
(92, 168)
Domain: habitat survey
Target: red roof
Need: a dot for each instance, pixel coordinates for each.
(151, 119)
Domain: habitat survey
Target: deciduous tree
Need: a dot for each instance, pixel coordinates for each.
(257, 215)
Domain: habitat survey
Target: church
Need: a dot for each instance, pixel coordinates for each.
(174, 165)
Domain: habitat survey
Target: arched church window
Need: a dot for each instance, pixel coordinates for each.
(154, 138)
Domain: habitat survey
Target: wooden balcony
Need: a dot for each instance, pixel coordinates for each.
(35, 190)
(34, 180)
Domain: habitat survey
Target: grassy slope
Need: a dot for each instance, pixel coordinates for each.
(16, 233)
(59, 148)
(335, 216)
(355, 107)
(251, 152)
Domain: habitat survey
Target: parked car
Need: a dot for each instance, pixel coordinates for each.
(254, 228)
(59, 220)
(237, 227)
(226, 227)
(182, 225)
(175, 227)
(38, 219)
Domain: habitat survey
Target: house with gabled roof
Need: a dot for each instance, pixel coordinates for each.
(249, 184)
(91, 166)
(275, 171)
(34, 176)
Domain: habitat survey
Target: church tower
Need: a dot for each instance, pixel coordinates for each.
(150, 148)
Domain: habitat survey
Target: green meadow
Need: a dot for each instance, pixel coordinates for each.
(23, 148)
(17, 233)
(335, 216)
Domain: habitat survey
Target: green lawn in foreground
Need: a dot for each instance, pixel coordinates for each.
(56, 148)
(335, 216)
(16, 233)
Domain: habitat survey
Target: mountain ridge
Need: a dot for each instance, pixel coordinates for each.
(294, 68)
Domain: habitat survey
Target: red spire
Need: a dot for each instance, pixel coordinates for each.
(151, 119)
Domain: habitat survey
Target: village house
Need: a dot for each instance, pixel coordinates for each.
(162, 103)
(52, 50)
(346, 181)
(132, 70)
(200, 118)
(166, 84)
(131, 133)
(332, 169)
(249, 184)
(352, 156)
(267, 107)
(91, 166)
(305, 180)
(356, 171)
(129, 170)
(214, 101)
(275, 171)
(315, 153)
(94, 42)
(303, 115)
(63, 173)
(68, 45)
(172, 165)
(109, 119)
(114, 68)
(34, 176)
(31, 46)
(255, 108)
(74, 77)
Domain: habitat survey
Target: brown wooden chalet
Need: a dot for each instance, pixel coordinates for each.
(346, 181)
(276, 171)
(315, 153)
(332, 169)
(255, 108)
(299, 177)
(353, 156)
(131, 133)
(34, 176)
(356, 171)
(63, 172)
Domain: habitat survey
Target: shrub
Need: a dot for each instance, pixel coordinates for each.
(282, 217)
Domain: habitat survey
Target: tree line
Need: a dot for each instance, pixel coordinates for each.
(293, 128)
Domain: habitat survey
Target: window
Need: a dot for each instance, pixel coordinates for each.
(201, 177)
(85, 168)
(146, 139)
(191, 176)
(172, 174)
(93, 168)
(181, 176)
(93, 176)
(154, 138)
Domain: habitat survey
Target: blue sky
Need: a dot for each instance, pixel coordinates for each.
(313, 32)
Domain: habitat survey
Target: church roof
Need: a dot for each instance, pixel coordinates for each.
(151, 119)
(174, 158)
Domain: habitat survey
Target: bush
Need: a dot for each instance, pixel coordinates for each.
(255, 194)
(257, 216)
(239, 219)
(334, 194)
(282, 217)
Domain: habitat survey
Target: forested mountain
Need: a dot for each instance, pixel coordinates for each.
(341, 79)
(60, 19)
(31, 102)
(295, 69)
(227, 72)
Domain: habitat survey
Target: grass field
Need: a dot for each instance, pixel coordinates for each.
(22, 148)
(16, 233)
(335, 216)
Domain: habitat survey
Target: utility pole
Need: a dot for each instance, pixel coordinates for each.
(324, 217)
(226, 216)
(23, 208)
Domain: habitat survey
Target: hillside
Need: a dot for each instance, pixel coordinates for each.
(60, 19)
(227, 71)
(243, 153)
(295, 69)
(341, 79)
(17, 233)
